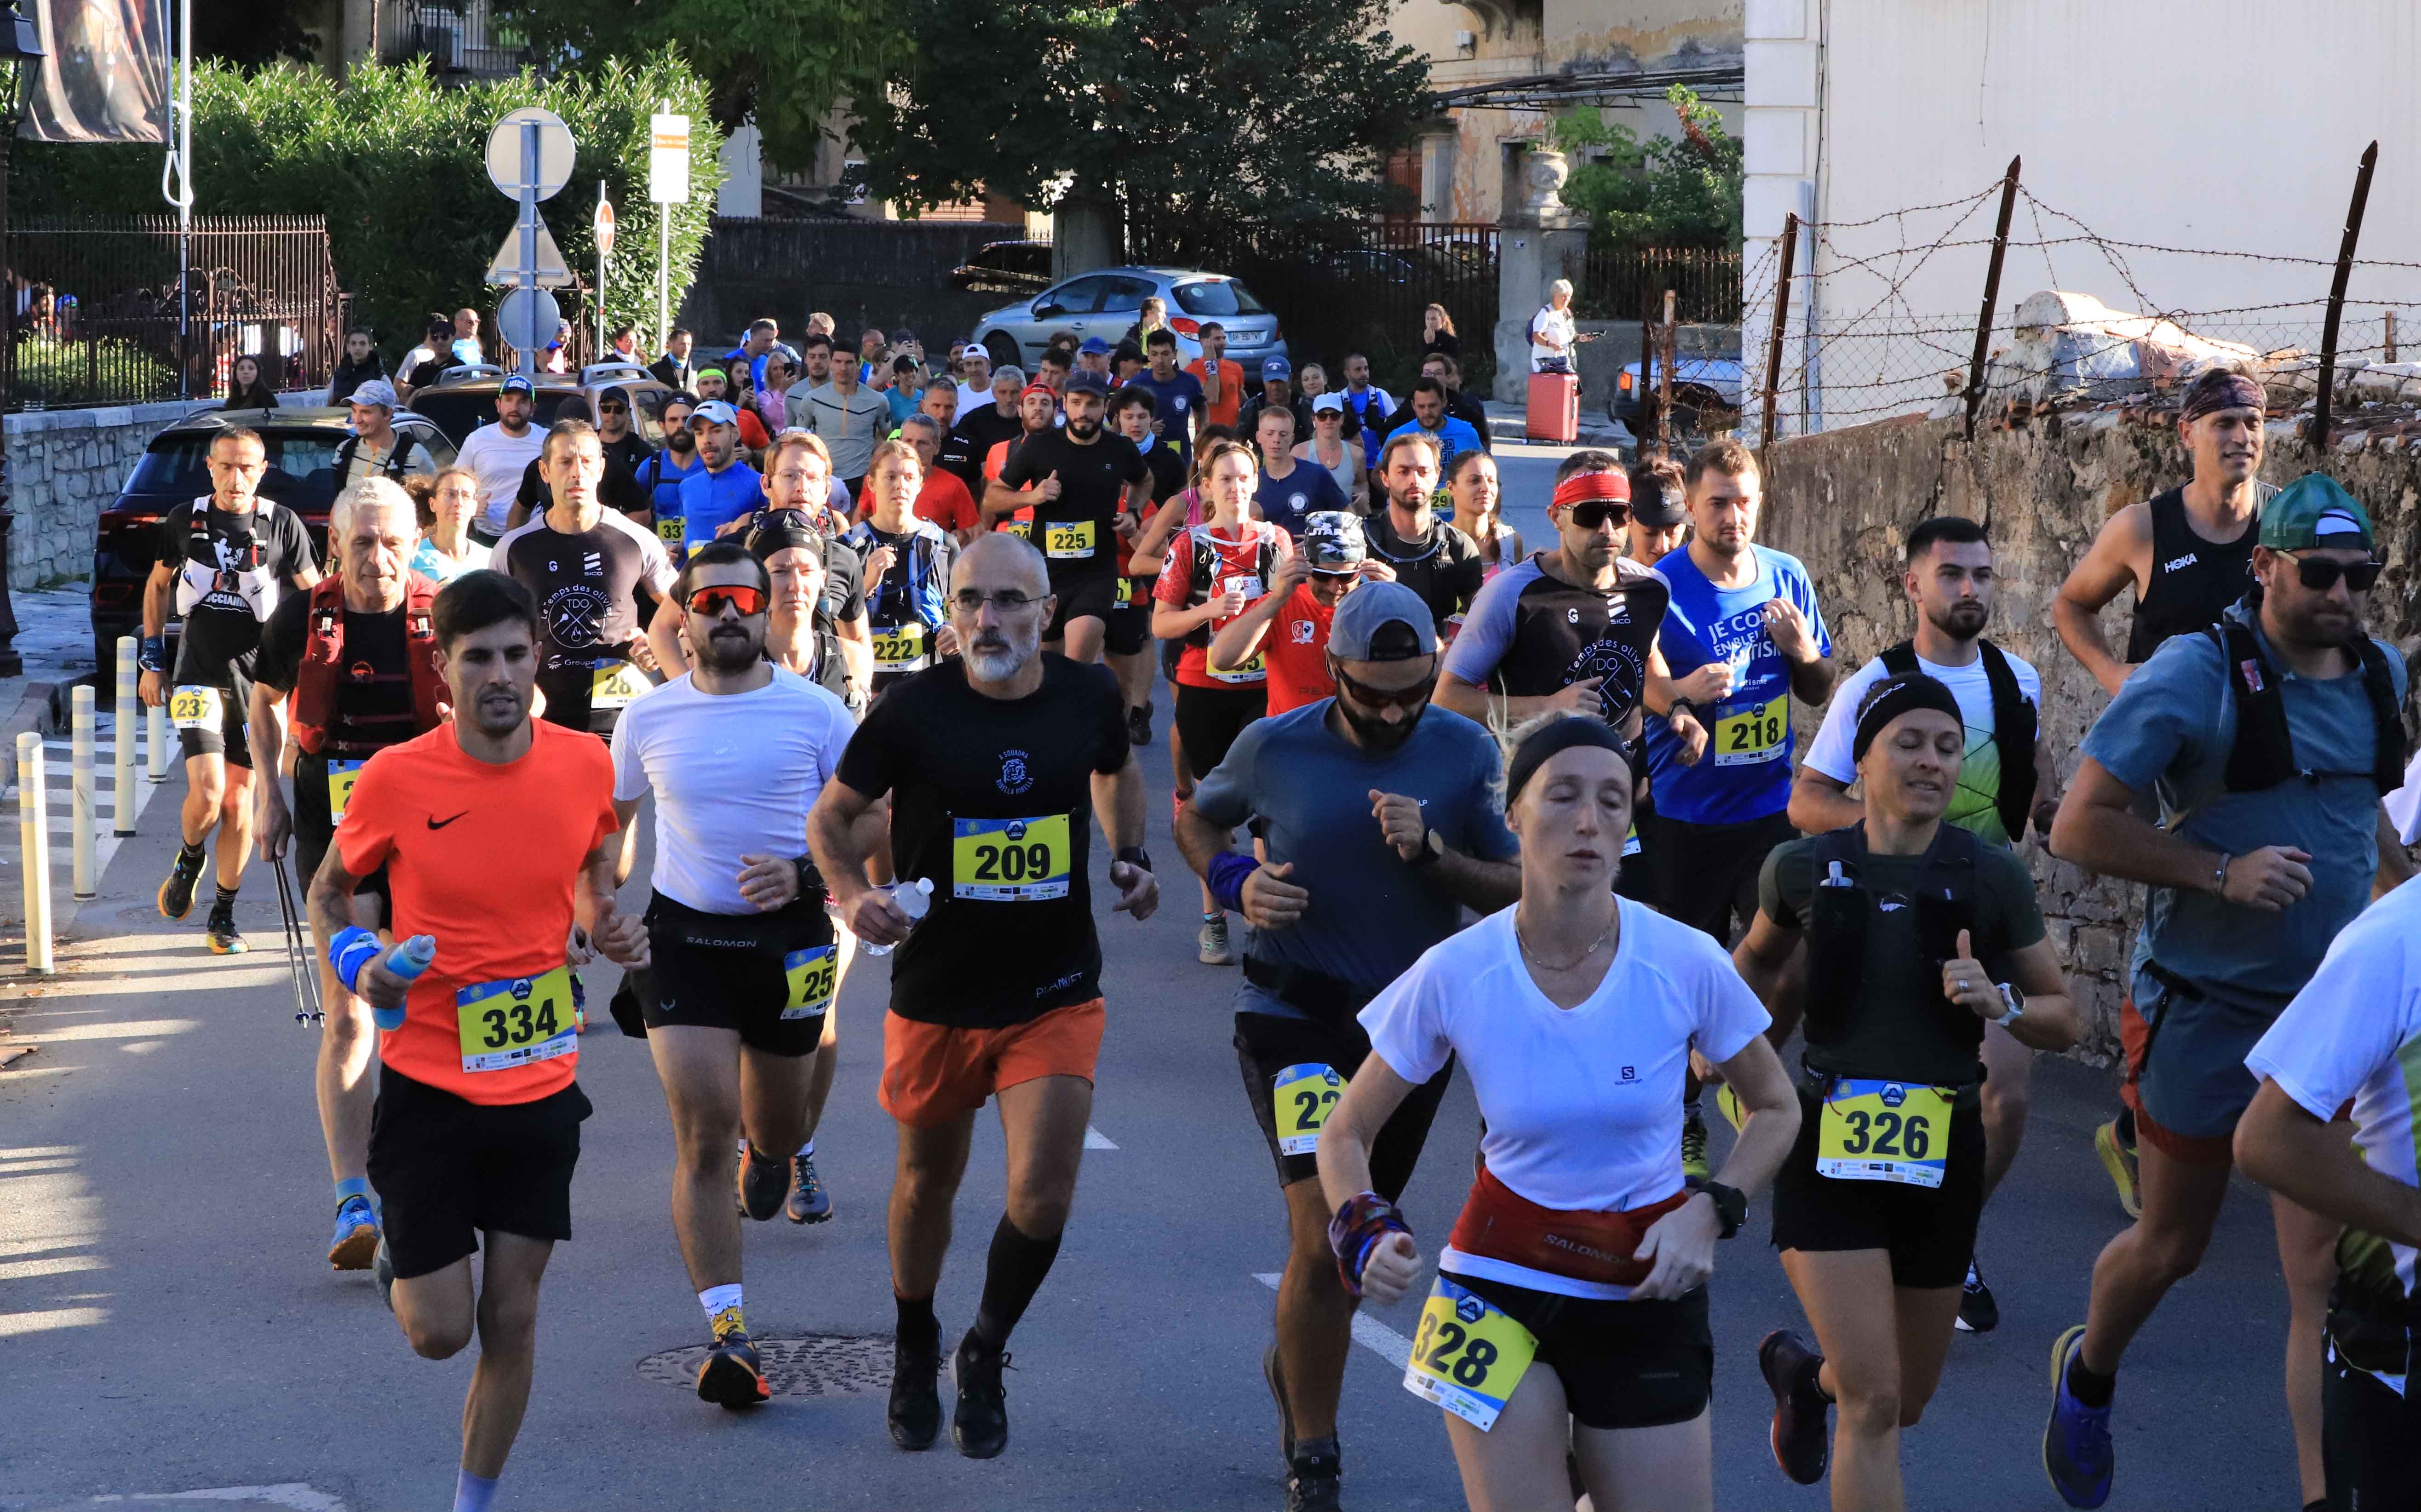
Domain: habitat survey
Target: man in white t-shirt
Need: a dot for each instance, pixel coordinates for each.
(736, 752)
(2006, 778)
(499, 452)
(975, 379)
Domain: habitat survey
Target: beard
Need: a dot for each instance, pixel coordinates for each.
(999, 655)
(680, 440)
(730, 652)
(1377, 734)
(1964, 620)
(1084, 430)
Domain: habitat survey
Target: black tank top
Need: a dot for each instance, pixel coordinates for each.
(2192, 580)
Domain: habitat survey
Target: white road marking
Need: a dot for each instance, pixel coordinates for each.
(1368, 1331)
(12, 1324)
(1096, 1140)
(294, 1494)
(133, 1029)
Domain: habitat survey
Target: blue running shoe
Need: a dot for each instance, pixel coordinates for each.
(2076, 1441)
(357, 1235)
(808, 1201)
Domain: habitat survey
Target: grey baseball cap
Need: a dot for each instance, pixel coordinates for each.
(1360, 632)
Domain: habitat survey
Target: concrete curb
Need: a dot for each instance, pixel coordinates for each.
(42, 709)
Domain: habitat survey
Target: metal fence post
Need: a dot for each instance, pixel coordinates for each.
(2320, 432)
(34, 851)
(82, 704)
(1991, 296)
(123, 721)
(1781, 319)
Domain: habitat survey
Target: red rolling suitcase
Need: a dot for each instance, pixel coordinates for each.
(1554, 409)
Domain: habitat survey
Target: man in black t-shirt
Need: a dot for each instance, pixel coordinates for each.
(360, 654)
(618, 490)
(995, 766)
(981, 428)
(1430, 556)
(1093, 485)
(1128, 635)
(222, 563)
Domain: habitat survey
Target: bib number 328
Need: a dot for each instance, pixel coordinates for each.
(1467, 1357)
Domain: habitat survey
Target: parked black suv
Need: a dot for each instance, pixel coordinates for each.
(464, 399)
(1006, 267)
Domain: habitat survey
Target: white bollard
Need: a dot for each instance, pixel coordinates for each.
(34, 851)
(121, 734)
(155, 724)
(81, 705)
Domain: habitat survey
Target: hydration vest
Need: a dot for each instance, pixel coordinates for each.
(319, 683)
(253, 582)
(1843, 908)
(2014, 727)
(1215, 561)
(2264, 753)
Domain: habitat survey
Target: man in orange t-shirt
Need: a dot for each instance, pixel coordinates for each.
(1223, 382)
(941, 499)
(476, 1127)
(1288, 625)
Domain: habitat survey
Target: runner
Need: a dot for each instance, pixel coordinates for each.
(2252, 876)
(1582, 1249)
(743, 966)
(1091, 486)
(499, 452)
(444, 506)
(359, 651)
(2188, 554)
(1429, 556)
(1221, 382)
(1425, 414)
(1176, 399)
(1332, 448)
(907, 560)
(1380, 823)
(796, 486)
(2350, 1035)
(376, 448)
(1291, 489)
(1125, 640)
(725, 488)
(220, 566)
(476, 1127)
(941, 498)
(1288, 627)
(2007, 776)
(585, 566)
(663, 474)
(991, 764)
(1037, 414)
(1212, 571)
(1660, 514)
(1478, 498)
(1373, 408)
(1875, 1210)
(979, 429)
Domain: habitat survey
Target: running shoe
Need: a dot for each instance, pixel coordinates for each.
(1272, 1371)
(177, 893)
(1694, 1145)
(2118, 1159)
(1978, 1312)
(915, 1411)
(1802, 1440)
(357, 1235)
(979, 1423)
(223, 940)
(1729, 1100)
(2076, 1451)
(731, 1377)
(1212, 944)
(1139, 724)
(809, 1203)
(763, 1184)
(383, 1271)
(1312, 1483)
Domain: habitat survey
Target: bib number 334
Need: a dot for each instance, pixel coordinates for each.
(1467, 1357)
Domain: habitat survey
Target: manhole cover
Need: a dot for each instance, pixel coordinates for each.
(815, 1365)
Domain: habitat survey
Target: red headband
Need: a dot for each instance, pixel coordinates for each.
(1582, 486)
(1037, 388)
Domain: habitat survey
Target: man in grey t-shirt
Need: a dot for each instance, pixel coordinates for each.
(1382, 822)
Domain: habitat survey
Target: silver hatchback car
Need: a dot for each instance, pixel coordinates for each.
(1105, 304)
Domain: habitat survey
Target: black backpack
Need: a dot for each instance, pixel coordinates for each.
(2264, 753)
(2014, 727)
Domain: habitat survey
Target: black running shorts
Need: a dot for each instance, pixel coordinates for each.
(222, 737)
(448, 1169)
(1210, 719)
(1929, 1232)
(1081, 598)
(314, 831)
(1268, 1046)
(1624, 1365)
(770, 976)
(1708, 871)
(1129, 630)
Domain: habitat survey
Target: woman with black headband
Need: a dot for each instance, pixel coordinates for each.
(1916, 935)
(1569, 1309)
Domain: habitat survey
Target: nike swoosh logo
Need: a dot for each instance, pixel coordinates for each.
(436, 823)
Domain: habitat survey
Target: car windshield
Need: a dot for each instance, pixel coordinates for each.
(1218, 296)
(459, 411)
(302, 469)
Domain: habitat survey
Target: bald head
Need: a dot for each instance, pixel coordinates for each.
(1001, 560)
(1000, 599)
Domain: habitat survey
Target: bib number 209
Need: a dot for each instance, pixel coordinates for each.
(1010, 861)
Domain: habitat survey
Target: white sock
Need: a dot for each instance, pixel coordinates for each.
(473, 1493)
(721, 1304)
(808, 1148)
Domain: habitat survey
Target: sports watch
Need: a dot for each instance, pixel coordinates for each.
(1432, 849)
(1731, 1204)
(2016, 1002)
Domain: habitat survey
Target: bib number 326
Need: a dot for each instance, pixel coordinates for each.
(1883, 1131)
(1467, 1357)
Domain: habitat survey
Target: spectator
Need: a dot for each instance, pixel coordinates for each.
(675, 367)
(900, 388)
(360, 364)
(821, 324)
(423, 362)
(762, 331)
(975, 379)
(466, 347)
(1552, 333)
(1094, 357)
(498, 452)
(869, 344)
(773, 401)
(905, 343)
(246, 389)
(1153, 318)
(1449, 373)
(616, 433)
(621, 344)
(1437, 334)
(557, 356)
(851, 420)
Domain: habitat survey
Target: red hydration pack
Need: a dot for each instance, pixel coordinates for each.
(324, 670)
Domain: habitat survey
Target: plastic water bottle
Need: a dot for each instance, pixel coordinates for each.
(915, 900)
(408, 959)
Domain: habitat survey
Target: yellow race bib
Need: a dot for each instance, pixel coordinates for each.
(519, 1023)
(900, 648)
(342, 776)
(811, 975)
(1305, 1096)
(195, 706)
(1254, 670)
(1010, 861)
(615, 686)
(672, 530)
(1069, 540)
(1883, 1131)
(1752, 734)
(1467, 1356)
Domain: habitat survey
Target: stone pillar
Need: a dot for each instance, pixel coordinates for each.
(1085, 232)
(1539, 240)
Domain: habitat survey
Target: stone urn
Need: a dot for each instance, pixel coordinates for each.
(1543, 172)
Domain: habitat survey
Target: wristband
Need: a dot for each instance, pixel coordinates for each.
(1356, 1230)
(1135, 856)
(1226, 878)
(153, 657)
(352, 948)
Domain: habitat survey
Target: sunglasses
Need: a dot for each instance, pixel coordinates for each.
(743, 599)
(614, 409)
(2320, 575)
(1411, 697)
(1591, 514)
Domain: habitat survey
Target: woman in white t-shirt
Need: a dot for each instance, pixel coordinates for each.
(1570, 1304)
(1553, 333)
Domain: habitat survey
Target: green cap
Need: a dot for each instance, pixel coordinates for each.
(2315, 510)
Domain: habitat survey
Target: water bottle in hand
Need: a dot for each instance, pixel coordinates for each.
(915, 900)
(408, 959)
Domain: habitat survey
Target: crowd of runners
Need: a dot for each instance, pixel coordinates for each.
(1541, 813)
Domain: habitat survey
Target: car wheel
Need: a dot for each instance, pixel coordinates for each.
(1004, 352)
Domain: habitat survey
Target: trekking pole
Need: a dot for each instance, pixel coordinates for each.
(299, 963)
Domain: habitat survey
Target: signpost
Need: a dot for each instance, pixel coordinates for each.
(601, 223)
(529, 159)
(668, 186)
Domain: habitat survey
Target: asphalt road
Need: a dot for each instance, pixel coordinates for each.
(167, 1324)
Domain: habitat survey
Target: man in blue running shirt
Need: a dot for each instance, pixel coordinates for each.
(727, 489)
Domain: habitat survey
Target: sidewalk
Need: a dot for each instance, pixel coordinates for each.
(1507, 422)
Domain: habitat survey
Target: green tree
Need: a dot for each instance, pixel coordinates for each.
(785, 63)
(1257, 109)
(1669, 191)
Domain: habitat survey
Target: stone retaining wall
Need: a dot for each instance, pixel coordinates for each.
(1843, 502)
(64, 466)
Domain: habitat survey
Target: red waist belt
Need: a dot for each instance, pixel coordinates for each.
(1501, 1224)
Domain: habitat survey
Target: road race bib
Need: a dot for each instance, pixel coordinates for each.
(811, 975)
(1754, 734)
(196, 707)
(1133, 592)
(615, 686)
(519, 1023)
(900, 648)
(1256, 670)
(1069, 540)
(1010, 861)
(672, 530)
(342, 776)
(1467, 1356)
(1305, 1096)
(1883, 1131)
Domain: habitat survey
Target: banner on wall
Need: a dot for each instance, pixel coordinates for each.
(105, 75)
